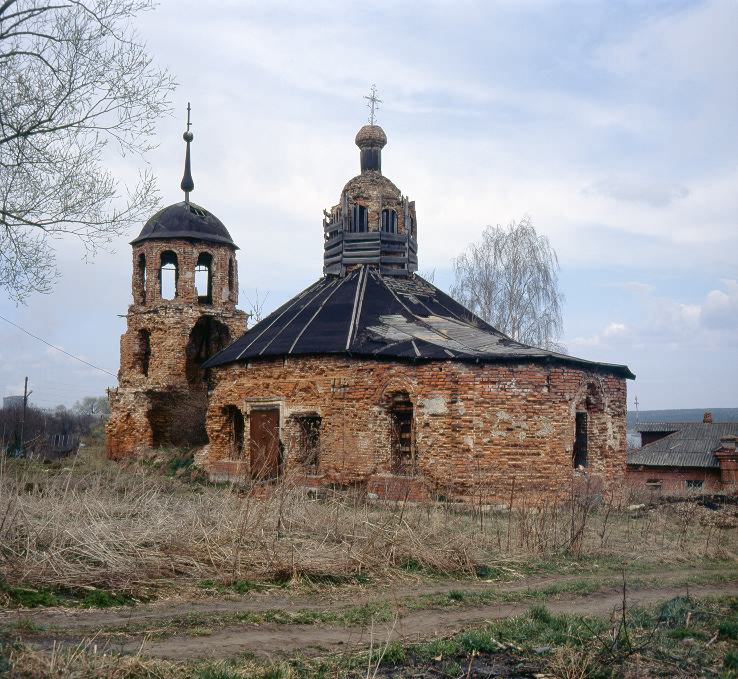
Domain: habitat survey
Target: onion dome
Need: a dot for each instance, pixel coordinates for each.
(371, 135)
(371, 139)
(185, 220)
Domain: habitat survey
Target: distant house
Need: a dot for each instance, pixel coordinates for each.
(681, 456)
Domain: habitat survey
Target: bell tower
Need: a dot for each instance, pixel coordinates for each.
(185, 292)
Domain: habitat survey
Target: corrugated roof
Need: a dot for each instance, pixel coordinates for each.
(693, 445)
(366, 313)
(660, 426)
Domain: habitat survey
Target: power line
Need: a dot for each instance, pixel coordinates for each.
(48, 344)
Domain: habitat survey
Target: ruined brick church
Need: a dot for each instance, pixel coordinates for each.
(371, 377)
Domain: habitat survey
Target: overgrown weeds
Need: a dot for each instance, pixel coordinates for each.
(106, 533)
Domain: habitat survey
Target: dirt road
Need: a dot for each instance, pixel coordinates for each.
(157, 629)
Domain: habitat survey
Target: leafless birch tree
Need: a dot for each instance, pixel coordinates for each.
(510, 279)
(73, 78)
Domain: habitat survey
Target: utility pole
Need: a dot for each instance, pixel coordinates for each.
(636, 405)
(26, 394)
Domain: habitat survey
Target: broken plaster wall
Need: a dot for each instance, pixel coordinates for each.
(476, 427)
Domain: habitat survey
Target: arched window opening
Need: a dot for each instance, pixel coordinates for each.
(143, 351)
(588, 406)
(141, 279)
(231, 278)
(389, 221)
(401, 433)
(360, 219)
(168, 275)
(235, 426)
(580, 441)
(207, 337)
(204, 278)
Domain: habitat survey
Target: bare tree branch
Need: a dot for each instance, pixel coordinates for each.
(73, 77)
(510, 279)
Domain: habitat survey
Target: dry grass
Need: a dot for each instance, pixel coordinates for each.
(99, 524)
(84, 662)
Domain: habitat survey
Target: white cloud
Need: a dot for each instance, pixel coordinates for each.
(654, 194)
(611, 333)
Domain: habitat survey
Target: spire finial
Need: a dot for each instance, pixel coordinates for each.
(373, 105)
(187, 184)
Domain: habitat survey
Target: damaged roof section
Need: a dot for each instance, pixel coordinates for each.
(693, 445)
(369, 314)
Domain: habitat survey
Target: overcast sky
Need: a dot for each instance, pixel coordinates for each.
(614, 125)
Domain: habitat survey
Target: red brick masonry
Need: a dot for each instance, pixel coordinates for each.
(476, 427)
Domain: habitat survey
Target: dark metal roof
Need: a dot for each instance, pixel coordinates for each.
(365, 313)
(660, 426)
(185, 220)
(693, 445)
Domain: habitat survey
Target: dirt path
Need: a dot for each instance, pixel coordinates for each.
(274, 640)
(282, 640)
(90, 620)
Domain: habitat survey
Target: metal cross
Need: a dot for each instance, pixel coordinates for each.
(188, 116)
(373, 105)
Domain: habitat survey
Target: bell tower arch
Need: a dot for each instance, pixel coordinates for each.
(185, 292)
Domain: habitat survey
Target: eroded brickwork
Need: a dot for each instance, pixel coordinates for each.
(162, 393)
(475, 427)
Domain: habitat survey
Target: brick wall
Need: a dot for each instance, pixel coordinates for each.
(475, 427)
(673, 479)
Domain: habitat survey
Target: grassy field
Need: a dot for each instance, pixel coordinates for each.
(409, 586)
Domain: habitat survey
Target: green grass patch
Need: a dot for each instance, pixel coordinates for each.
(28, 597)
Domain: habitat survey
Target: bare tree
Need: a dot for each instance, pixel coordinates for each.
(255, 305)
(510, 279)
(73, 77)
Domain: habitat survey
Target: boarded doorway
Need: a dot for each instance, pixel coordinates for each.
(264, 443)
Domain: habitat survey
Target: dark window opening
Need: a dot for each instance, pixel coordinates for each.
(235, 427)
(168, 275)
(695, 483)
(141, 278)
(204, 278)
(580, 441)
(654, 484)
(207, 337)
(308, 443)
(389, 221)
(143, 351)
(231, 278)
(360, 220)
(401, 434)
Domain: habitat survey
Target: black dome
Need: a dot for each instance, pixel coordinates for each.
(185, 220)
